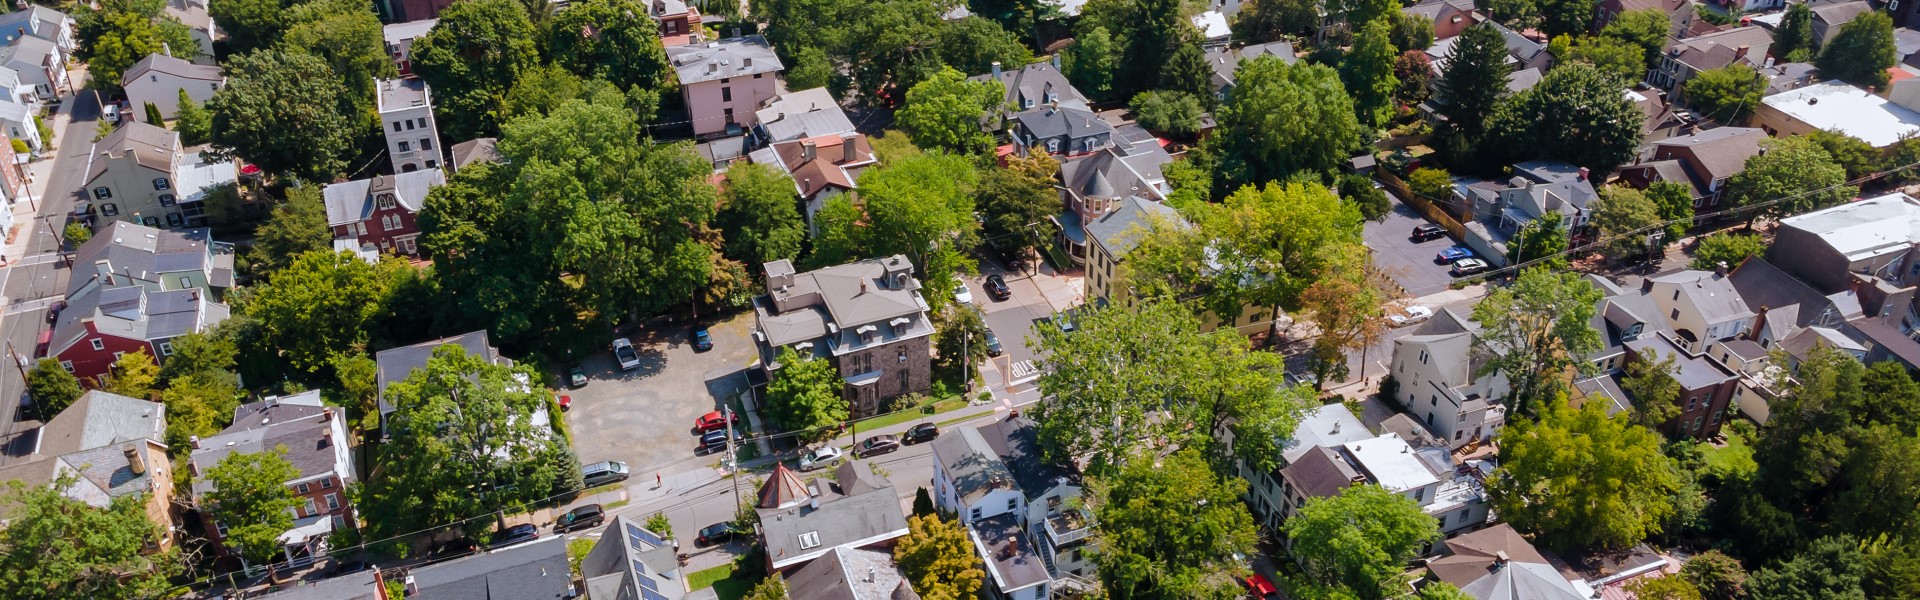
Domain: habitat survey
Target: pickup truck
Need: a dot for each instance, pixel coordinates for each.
(623, 351)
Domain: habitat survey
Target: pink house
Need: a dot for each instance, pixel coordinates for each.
(725, 81)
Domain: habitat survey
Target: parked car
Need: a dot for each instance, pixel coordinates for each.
(717, 533)
(623, 351)
(41, 347)
(1428, 231)
(997, 288)
(524, 532)
(993, 344)
(924, 432)
(876, 445)
(1260, 587)
(1452, 253)
(1469, 266)
(1413, 314)
(566, 403)
(53, 310)
(714, 421)
(961, 293)
(602, 473)
(713, 440)
(453, 548)
(576, 377)
(1067, 320)
(702, 340)
(581, 517)
(824, 456)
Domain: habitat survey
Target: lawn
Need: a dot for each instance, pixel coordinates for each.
(1734, 458)
(721, 580)
(948, 404)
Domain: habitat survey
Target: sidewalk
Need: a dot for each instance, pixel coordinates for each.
(39, 173)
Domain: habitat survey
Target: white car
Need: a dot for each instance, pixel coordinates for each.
(824, 456)
(962, 293)
(1413, 315)
(623, 351)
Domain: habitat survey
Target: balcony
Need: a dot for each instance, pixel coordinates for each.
(1068, 526)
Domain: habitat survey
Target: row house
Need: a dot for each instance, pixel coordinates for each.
(1022, 511)
(1442, 381)
(111, 446)
(379, 215)
(142, 288)
(400, 37)
(158, 79)
(406, 116)
(140, 173)
(1704, 161)
(313, 438)
(537, 569)
(1687, 58)
(867, 317)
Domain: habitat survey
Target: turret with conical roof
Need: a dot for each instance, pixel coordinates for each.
(783, 489)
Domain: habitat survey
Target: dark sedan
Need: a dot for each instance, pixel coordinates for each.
(997, 288)
(524, 532)
(876, 445)
(717, 533)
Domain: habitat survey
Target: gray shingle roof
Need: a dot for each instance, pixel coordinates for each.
(1017, 443)
(1010, 558)
(720, 59)
(1119, 230)
(534, 571)
(1320, 473)
(99, 419)
(153, 147)
(395, 364)
(1033, 84)
(143, 253)
(354, 201)
(1722, 152)
(309, 444)
(474, 150)
(1047, 122)
(972, 464)
(161, 63)
(857, 520)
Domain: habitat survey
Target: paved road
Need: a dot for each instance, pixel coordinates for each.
(31, 283)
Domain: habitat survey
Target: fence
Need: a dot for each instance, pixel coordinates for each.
(1421, 203)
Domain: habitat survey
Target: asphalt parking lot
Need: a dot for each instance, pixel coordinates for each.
(1013, 319)
(1409, 263)
(645, 416)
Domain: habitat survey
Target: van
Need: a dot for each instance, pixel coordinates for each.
(602, 473)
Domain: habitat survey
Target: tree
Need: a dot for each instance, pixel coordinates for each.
(1655, 394)
(1537, 330)
(51, 388)
(1663, 588)
(1415, 72)
(60, 547)
(470, 58)
(1152, 31)
(1361, 539)
(1170, 529)
(1436, 185)
(1854, 155)
(960, 340)
(294, 228)
(249, 495)
(1346, 303)
(1621, 59)
(1727, 94)
(348, 36)
(1360, 191)
(804, 395)
(945, 110)
(120, 34)
(972, 44)
(1411, 32)
(1170, 112)
(1475, 79)
(624, 48)
(659, 524)
(1862, 52)
(199, 404)
(287, 113)
(1626, 217)
(1091, 61)
(811, 69)
(937, 558)
(1674, 200)
(462, 441)
(1263, 21)
(133, 375)
(1794, 173)
(1647, 28)
(1016, 199)
(77, 233)
(1716, 575)
(923, 207)
(1576, 114)
(1367, 73)
(759, 215)
(1794, 41)
(1284, 119)
(1150, 374)
(1275, 241)
(841, 239)
(1188, 72)
(153, 115)
(1832, 568)
(321, 306)
(1566, 17)
(192, 121)
(252, 25)
(1579, 479)
(774, 587)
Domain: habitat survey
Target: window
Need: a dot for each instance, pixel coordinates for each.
(117, 355)
(385, 201)
(151, 221)
(396, 125)
(311, 509)
(409, 124)
(175, 220)
(1675, 314)
(67, 364)
(405, 147)
(426, 143)
(431, 164)
(1423, 357)
(222, 527)
(1053, 145)
(166, 200)
(809, 540)
(166, 348)
(97, 344)
(326, 484)
(903, 355)
(1013, 504)
(726, 94)
(729, 115)
(161, 184)
(757, 75)
(974, 514)
(423, 122)
(304, 489)
(102, 193)
(333, 502)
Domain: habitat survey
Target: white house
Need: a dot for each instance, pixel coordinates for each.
(158, 80)
(406, 115)
(1022, 511)
(39, 63)
(1701, 307)
(1437, 375)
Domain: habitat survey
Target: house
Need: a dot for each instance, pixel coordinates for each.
(1782, 77)
(1501, 211)
(725, 81)
(43, 23)
(1037, 84)
(140, 173)
(821, 167)
(1327, 425)
(850, 574)
(1225, 62)
(98, 419)
(158, 79)
(1114, 233)
(1212, 26)
(631, 562)
(200, 25)
(406, 110)
(112, 446)
(1015, 501)
(314, 438)
(1662, 119)
(679, 22)
(1705, 385)
(1687, 58)
(400, 37)
(1529, 53)
(1840, 107)
(1701, 307)
(1829, 17)
(534, 570)
(405, 11)
(1497, 564)
(396, 364)
(801, 521)
(866, 317)
(142, 288)
(392, 200)
(1060, 130)
(800, 114)
(1702, 160)
(1622, 315)
(1440, 361)
(1450, 17)
(484, 149)
(1093, 185)
(1682, 13)
(1426, 476)
(40, 64)
(1876, 236)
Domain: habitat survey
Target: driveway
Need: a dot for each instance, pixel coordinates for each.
(645, 416)
(1035, 296)
(1409, 263)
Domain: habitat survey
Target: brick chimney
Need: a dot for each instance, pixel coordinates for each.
(850, 152)
(1740, 53)
(1759, 320)
(135, 462)
(806, 151)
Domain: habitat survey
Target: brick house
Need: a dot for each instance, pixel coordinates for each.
(724, 82)
(378, 214)
(679, 22)
(866, 317)
(400, 37)
(137, 288)
(315, 440)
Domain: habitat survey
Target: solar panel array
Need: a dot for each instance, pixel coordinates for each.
(642, 538)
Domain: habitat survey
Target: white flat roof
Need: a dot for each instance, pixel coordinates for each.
(1867, 228)
(193, 176)
(1391, 463)
(1836, 106)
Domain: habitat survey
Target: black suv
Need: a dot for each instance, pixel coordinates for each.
(1428, 232)
(997, 288)
(584, 517)
(924, 432)
(523, 532)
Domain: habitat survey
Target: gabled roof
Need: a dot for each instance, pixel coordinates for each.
(1120, 229)
(803, 113)
(631, 562)
(309, 441)
(1226, 61)
(848, 574)
(1789, 302)
(1720, 152)
(162, 63)
(829, 165)
(1111, 172)
(1328, 425)
(532, 571)
(1719, 49)
(134, 313)
(721, 59)
(277, 409)
(152, 146)
(31, 50)
(1523, 581)
(1035, 82)
(137, 252)
(1835, 14)
(1011, 562)
(476, 150)
(1321, 473)
(1473, 555)
(354, 201)
(396, 364)
(1016, 443)
(398, 32)
(973, 467)
(802, 532)
(1047, 121)
(1714, 295)
(1691, 371)
(100, 419)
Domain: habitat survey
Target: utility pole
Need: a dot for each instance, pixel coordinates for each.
(733, 459)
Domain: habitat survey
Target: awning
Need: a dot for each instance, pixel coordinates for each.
(306, 529)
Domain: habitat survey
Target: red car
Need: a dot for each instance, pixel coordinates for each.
(1260, 586)
(713, 421)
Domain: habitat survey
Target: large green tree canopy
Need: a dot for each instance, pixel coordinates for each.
(471, 57)
(287, 112)
(1579, 478)
(59, 547)
(623, 46)
(1170, 528)
(1284, 119)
